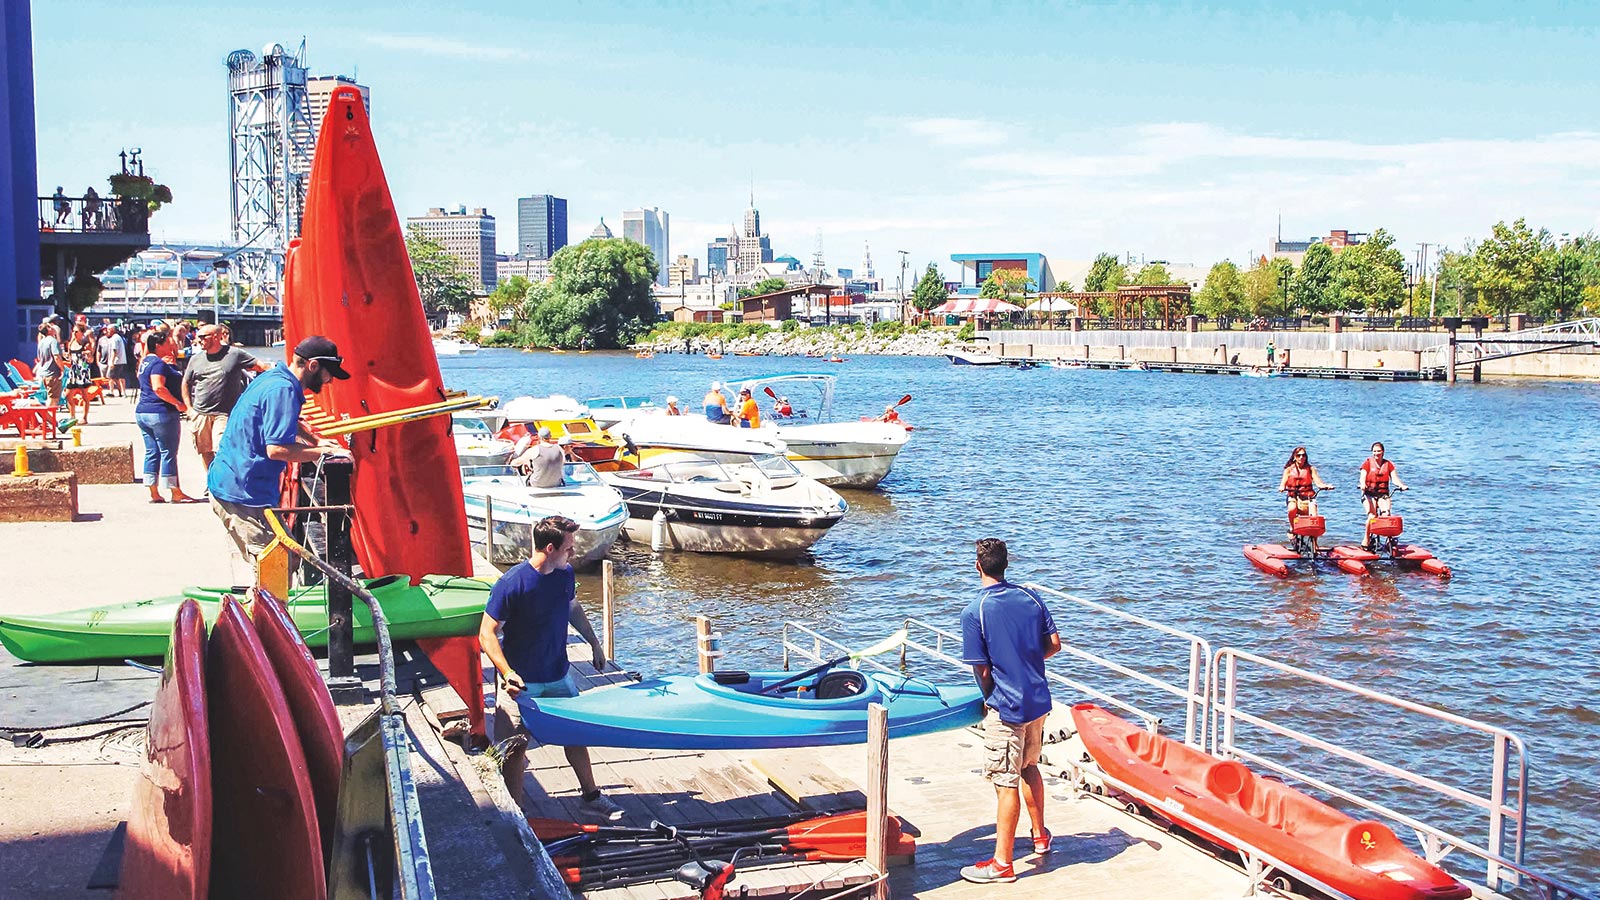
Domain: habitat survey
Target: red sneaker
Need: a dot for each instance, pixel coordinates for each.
(989, 872)
(1042, 844)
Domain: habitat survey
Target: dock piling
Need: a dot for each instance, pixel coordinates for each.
(877, 788)
(488, 528)
(706, 649)
(607, 611)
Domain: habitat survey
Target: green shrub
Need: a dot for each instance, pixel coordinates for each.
(504, 337)
(966, 332)
(790, 326)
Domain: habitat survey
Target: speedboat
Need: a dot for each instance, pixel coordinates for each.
(453, 347)
(971, 356)
(476, 445)
(838, 454)
(517, 506)
(763, 507)
(609, 411)
(647, 436)
(565, 417)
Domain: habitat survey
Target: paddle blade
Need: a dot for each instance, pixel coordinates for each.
(904, 400)
(883, 646)
(769, 393)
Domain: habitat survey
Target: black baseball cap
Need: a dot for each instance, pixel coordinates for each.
(319, 348)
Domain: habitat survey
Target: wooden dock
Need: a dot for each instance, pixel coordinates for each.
(934, 786)
(1196, 368)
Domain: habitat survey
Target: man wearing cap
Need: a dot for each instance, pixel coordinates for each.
(263, 436)
(543, 459)
(672, 407)
(749, 413)
(716, 405)
(212, 384)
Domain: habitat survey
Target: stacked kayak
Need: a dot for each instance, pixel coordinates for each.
(440, 606)
(748, 710)
(1227, 804)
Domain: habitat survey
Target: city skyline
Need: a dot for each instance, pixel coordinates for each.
(1358, 117)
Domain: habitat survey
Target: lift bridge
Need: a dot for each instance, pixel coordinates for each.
(1445, 360)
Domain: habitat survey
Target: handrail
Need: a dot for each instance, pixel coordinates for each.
(1223, 689)
(405, 811)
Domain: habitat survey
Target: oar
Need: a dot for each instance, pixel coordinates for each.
(883, 646)
(553, 829)
(903, 401)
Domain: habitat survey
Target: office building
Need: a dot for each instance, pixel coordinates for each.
(684, 270)
(649, 227)
(754, 247)
(718, 253)
(468, 236)
(541, 226)
(319, 89)
(507, 267)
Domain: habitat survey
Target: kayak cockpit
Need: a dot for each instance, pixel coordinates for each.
(831, 690)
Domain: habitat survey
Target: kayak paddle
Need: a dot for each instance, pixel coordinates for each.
(883, 646)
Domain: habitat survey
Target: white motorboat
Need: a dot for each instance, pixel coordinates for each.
(838, 454)
(608, 411)
(649, 434)
(763, 507)
(500, 493)
(452, 347)
(971, 356)
(476, 445)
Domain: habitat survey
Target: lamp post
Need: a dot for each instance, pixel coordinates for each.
(219, 271)
(903, 315)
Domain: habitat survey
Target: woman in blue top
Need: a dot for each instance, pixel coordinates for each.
(159, 414)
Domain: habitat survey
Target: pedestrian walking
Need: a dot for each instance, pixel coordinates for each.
(113, 350)
(1006, 635)
(212, 383)
(49, 363)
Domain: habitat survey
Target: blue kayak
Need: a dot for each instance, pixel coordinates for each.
(729, 711)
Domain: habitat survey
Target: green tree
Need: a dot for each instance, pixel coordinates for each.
(764, 286)
(1508, 267)
(1370, 275)
(1313, 284)
(1264, 287)
(1155, 274)
(509, 295)
(1105, 274)
(930, 292)
(1003, 284)
(599, 291)
(1223, 293)
(444, 287)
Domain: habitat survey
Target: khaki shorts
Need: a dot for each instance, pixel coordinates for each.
(206, 430)
(247, 525)
(1008, 749)
(508, 715)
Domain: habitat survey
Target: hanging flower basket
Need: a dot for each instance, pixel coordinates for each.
(140, 188)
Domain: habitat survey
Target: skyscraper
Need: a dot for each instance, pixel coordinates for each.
(755, 248)
(468, 236)
(649, 227)
(541, 226)
(319, 88)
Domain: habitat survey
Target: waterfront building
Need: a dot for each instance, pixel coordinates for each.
(601, 232)
(649, 227)
(685, 270)
(705, 296)
(507, 267)
(977, 267)
(541, 226)
(789, 263)
(1295, 251)
(19, 232)
(467, 236)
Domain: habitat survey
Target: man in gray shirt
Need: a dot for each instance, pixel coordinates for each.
(544, 460)
(212, 383)
(114, 358)
(47, 361)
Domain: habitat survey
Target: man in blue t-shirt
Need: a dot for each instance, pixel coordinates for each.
(1006, 635)
(263, 436)
(524, 631)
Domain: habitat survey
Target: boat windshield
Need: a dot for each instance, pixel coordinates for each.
(775, 466)
(472, 427)
(580, 473)
(694, 471)
(487, 471)
(818, 385)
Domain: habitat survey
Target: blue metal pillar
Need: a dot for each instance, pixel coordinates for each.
(19, 177)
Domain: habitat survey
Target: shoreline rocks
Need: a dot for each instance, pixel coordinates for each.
(811, 342)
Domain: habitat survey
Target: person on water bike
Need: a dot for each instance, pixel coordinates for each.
(1377, 474)
(1301, 482)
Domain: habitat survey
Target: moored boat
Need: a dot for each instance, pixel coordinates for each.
(453, 347)
(742, 710)
(517, 506)
(838, 454)
(476, 445)
(440, 606)
(762, 508)
(1227, 804)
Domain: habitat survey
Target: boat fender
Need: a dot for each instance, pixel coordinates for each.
(658, 531)
(731, 676)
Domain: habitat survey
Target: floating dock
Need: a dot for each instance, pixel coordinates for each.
(1193, 368)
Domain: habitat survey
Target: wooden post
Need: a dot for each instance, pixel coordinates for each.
(607, 611)
(878, 794)
(488, 529)
(702, 644)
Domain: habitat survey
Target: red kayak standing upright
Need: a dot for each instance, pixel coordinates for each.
(348, 277)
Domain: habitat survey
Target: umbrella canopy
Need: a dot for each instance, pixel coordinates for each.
(1053, 304)
(978, 305)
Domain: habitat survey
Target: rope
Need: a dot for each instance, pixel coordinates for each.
(94, 721)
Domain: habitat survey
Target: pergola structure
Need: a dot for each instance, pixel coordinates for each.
(1132, 303)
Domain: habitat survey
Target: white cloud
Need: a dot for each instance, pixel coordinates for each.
(442, 46)
(952, 132)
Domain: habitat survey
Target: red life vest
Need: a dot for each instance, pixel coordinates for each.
(1298, 483)
(1377, 476)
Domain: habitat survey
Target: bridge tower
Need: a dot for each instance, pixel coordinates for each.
(270, 144)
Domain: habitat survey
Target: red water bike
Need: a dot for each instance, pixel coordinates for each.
(1383, 546)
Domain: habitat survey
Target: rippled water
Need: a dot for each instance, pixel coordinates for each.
(1138, 490)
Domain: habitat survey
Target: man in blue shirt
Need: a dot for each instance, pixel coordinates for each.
(1006, 635)
(524, 632)
(263, 436)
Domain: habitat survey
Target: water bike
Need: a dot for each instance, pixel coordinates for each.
(1383, 544)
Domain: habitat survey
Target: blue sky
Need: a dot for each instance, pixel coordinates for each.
(1172, 131)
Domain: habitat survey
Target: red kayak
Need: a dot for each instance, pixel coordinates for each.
(1224, 802)
(348, 278)
(168, 851)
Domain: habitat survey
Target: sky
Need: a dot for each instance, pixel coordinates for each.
(1177, 132)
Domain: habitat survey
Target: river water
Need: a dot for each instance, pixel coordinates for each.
(1138, 490)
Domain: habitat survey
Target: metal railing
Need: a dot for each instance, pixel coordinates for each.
(143, 299)
(1505, 804)
(92, 215)
(1543, 339)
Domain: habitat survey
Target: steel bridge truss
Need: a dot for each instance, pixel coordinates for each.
(270, 147)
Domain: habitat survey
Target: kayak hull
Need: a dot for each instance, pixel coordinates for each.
(441, 606)
(1226, 803)
(686, 712)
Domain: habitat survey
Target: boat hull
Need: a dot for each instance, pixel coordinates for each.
(1224, 802)
(683, 712)
(513, 539)
(441, 606)
(712, 525)
(843, 464)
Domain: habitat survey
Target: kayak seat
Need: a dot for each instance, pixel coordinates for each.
(1231, 781)
(731, 676)
(837, 685)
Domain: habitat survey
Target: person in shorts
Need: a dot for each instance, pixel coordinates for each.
(212, 383)
(524, 632)
(1006, 635)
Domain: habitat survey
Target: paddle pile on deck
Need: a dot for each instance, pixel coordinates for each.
(599, 856)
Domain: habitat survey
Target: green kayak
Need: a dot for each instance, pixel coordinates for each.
(441, 606)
